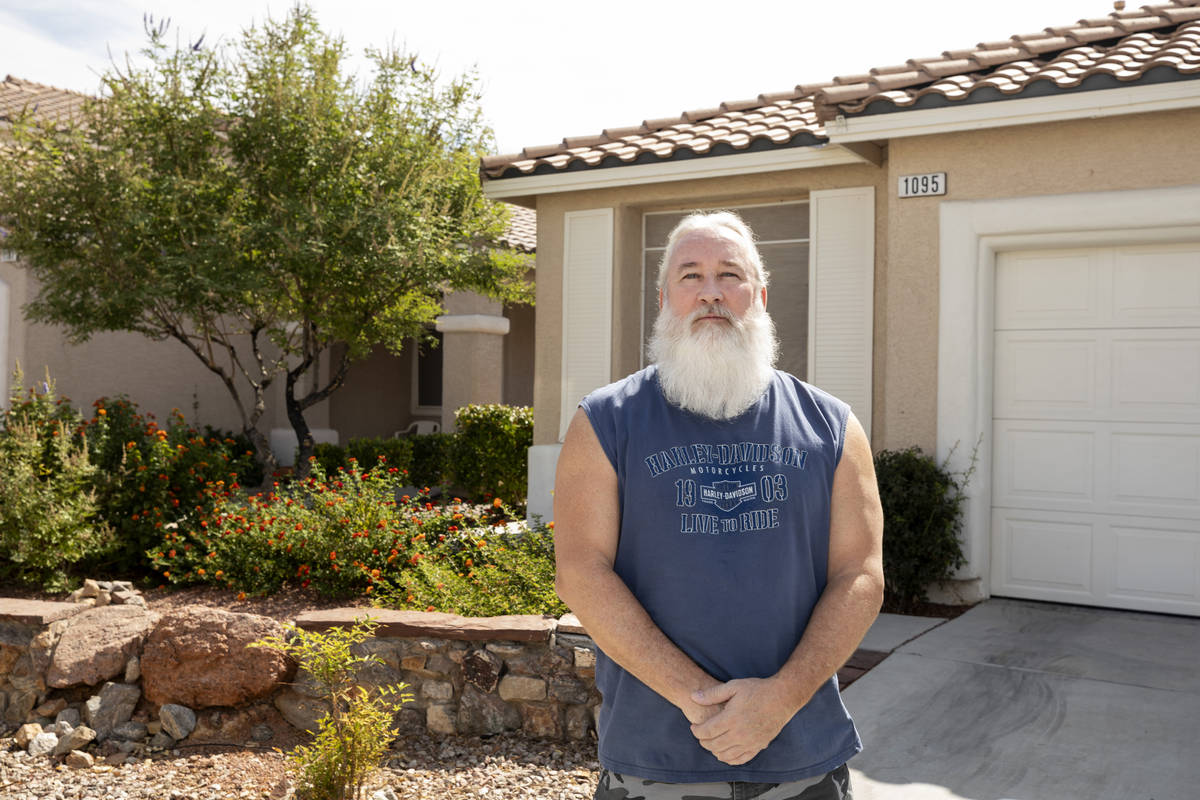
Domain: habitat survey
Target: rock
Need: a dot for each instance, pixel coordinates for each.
(520, 687)
(133, 669)
(77, 759)
(89, 589)
(440, 720)
(177, 720)
(579, 722)
(505, 649)
(161, 741)
(385, 793)
(481, 669)
(20, 704)
(62, 727)
(50, 708)
(42, 745)
(116, 759)
(129, 731)
(438, 690)
(123, 586)
(198, 657)
(112, 706)
(485, 713)
(568, 690)
(262, 733)
(104, 598)
(69, 716)
(412, 720)
(414, 663)
(135, 600)
(585, 657)
(300, 711)
(25, 734)
(77, 739)
(541, 722)
(97, 644)
(153, 727)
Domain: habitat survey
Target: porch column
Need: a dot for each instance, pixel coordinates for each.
(472, 352)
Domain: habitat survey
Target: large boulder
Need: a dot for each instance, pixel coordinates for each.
(198, 657)
(97, 645)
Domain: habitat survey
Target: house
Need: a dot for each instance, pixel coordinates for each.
(486, 352)
(994, 252)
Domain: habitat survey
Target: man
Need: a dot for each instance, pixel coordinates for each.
(718, 533)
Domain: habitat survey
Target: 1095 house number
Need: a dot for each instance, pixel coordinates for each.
(927, 185)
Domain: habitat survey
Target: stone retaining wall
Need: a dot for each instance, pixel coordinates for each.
(130, 680)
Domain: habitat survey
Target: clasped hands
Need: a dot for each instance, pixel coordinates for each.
(735, 720)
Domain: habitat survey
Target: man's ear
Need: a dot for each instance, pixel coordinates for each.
(764, 298)
(660, 299)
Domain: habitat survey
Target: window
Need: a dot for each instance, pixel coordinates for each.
(783, 238)
(427, 374)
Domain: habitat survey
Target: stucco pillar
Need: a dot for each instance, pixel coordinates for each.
(472, 330)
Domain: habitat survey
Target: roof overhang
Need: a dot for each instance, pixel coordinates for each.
(723, 166)
(898, 124)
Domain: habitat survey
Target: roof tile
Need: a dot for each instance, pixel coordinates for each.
(1122, 46)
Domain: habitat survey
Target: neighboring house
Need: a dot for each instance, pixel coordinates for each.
(486, 353)
(998, 246)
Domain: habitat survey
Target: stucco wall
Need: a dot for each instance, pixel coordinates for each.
(157, 375)
(1144, 151)
(629, 205)
(1133, 152)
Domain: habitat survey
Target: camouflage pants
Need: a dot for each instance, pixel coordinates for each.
(832, 786)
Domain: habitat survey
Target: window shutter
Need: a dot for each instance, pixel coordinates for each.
(587, 307)
(841, 295)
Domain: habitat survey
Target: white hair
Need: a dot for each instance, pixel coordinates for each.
(716, 221)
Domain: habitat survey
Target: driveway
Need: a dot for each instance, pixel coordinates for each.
(1017, 700)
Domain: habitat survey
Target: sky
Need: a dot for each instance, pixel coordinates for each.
(554, 69)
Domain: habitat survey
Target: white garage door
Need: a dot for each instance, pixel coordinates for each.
(1096, 426)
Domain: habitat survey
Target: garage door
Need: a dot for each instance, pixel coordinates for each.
(1096, 427)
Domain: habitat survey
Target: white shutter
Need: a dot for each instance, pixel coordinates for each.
(841, 295)
(587, 307)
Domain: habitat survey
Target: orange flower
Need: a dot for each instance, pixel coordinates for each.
(429, 608)
(101, 412)
(241, 596)
(497, 502)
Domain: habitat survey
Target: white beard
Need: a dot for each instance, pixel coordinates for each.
(717, 371)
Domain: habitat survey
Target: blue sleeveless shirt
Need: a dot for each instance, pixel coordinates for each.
(725, 542)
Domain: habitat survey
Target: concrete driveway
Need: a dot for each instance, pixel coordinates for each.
(1017, 700)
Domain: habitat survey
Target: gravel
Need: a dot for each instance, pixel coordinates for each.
(418, 767)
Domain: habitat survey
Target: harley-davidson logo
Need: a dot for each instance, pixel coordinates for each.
(728, 495)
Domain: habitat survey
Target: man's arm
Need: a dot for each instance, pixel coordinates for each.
(757, 709)
(586, 530)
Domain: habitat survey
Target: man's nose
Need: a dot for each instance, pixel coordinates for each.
(710, 291)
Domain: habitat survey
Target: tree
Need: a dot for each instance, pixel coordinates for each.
(260, 205)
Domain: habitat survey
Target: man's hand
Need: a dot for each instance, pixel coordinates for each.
(753, 713)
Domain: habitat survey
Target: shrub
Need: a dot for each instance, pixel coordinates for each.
(354, 734)
(48, 513)
(151, 477)
(430, 453)
(349, 534)
(922, 520)
(490, 452)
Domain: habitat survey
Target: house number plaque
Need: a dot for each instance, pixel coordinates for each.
(926, 185)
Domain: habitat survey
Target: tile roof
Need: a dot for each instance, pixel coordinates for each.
(1144, 44)
(45, 102)
(522, 229)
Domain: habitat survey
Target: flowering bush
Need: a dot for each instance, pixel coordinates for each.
(151, 476)
(489, 454)
(351, 534)
(48, 512)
